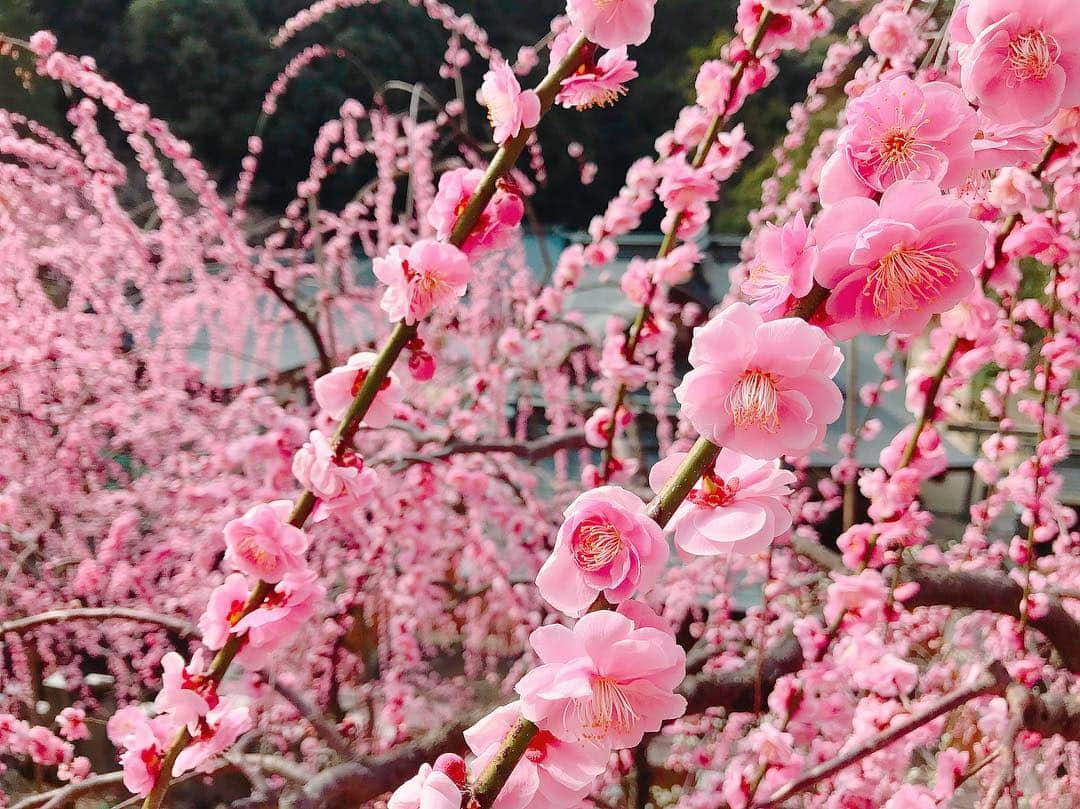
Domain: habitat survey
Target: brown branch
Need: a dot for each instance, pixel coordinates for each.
(734, 690)
(1018, 698)
(21, 625)
(67, 795)
(993, 681)
(969, 589)
(358, 782)
(326, 362)
(323, 726)
(536, 450)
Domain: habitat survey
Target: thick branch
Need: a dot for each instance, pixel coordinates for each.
(973, 590)
(993, 681)
(66, 795)
(323, 726)
(536, 450)
(358, 782)
(21, 625)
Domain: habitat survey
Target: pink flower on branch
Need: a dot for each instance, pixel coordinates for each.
(509, 108)
(186, 695)
(762, 389)
(892, 265)
(901, 130)
(143, 742)
(224, 609)
(217, 733)
(552, 772)
(72, 724)
(336, 390)
(263, 544)
(598, 82)
(339, 486)
(609, 680)
(496, 222)
(608, 544)
(1023, 64)
(428, 275)
(279, 618)
(783, 267)
(739, 504)
(428, 789)
(613, 23)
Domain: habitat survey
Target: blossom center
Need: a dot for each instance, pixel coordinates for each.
(236, 612)
(754, 402)
(763, 282)
(1031, 55)
(715, 492)
(249, 549)
(596, 543)
(897, 147)
(152, 759)
(359, 381)
(907, 277)
(607, 709)
(537, 749)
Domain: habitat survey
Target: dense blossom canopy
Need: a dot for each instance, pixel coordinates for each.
(251, 549)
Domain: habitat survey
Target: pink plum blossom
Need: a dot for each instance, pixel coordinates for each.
(684, 186)
(343, 485)
(713, 87)
(894, 37)
(510, 109)
(263, 544)
(223, 610)
(72, 724)
(783, 266)
(335, 391)
(218, 732)
(762, 389)
(598, 82)
(1024, 62)
(428, 789)
(612, 23)
(599, 428)
(929, 459)
(738, 505)
(143, 742)
(608, 680)
(426, 276)
(1014, 190)
(607, 544)
(893, 265)
(901, 130)
(186, 695)
(552, 772)
(276, 622)
(496, 223)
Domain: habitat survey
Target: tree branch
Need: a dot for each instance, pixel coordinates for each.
(536, 450)
(21, 625)
(323, 726)
(357, 782)
(326, 362)
(969, 589)
(993, 681)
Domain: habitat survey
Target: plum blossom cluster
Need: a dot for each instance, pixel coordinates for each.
(381, 585)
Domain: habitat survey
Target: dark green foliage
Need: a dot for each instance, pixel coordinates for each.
(204, 65)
